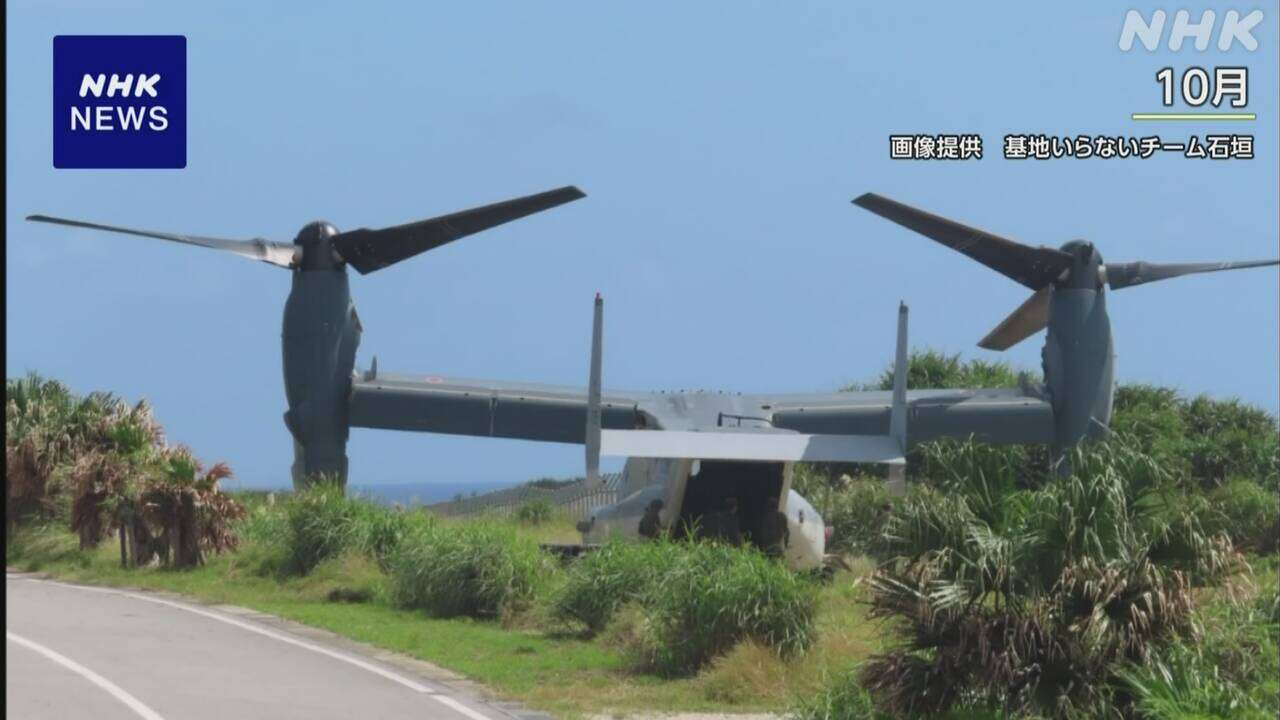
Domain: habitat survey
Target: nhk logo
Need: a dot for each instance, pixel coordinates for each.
(1234, 28)
(119, 101)
(101, 117)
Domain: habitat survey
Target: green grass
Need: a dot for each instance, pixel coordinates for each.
(483, 569)
(1187, 482)
(600, 583)
(561, 673)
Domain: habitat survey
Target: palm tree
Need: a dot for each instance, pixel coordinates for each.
(45, 427)
(185, 505)
(1030, 593)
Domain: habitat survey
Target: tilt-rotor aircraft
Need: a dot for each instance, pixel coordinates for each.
(692, 450)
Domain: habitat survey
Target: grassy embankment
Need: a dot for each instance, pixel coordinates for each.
(562, 673)
(1143, 584)
(529, 657)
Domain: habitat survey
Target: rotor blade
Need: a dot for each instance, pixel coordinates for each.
(281, 254)
(368, 250)
(1030, 318)
(1034, 267)
(1123, 275)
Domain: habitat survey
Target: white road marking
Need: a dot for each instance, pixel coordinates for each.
(446, 700)
(114, 690)
(394, 677)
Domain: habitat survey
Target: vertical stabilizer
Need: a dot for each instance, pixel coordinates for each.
(593, 396)
(898, 411)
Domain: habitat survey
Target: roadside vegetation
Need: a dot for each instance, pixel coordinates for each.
(1142, 584)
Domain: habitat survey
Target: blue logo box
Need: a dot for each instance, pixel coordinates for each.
(120, 101)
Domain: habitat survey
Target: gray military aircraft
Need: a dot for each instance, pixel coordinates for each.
(692, 450)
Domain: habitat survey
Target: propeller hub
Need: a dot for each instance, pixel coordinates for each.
(1083, 273)
(314, 232)
(316, 241)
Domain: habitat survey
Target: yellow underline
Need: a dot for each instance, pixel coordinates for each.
(1194, 116)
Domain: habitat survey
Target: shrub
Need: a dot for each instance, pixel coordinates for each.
(321, 522)
(857, 513)
(1231, 670)
(477, 568)
(104, 466)
(1230, 438)
(933, 369)
(1182, 683)
(688, 602)
(32, 547)
(839, 698)
(926, 522)
(535, 512)
(1249, 514)
(46, 426)
(263, 524)
(625, 631)
(180, 504)
(379, 531)
(1204, 439)
(1032, 600)
(713, 596)
(603, 580)
(984, 475)
(1153, 418)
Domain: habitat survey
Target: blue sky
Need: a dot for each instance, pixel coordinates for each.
(719, 144)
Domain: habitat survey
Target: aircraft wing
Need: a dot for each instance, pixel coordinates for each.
(755, 445)
(1003, 416)
(875, 426)
(555, 413)
(488, 408)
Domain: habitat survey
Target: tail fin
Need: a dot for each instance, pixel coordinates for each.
(898, 411)
(593, 396)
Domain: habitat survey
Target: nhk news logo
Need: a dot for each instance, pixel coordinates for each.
(120, 101)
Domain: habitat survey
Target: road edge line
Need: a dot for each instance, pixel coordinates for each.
(117, 692)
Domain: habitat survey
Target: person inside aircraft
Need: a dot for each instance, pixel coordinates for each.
(774, 533)
(651, 522)
(725, 525)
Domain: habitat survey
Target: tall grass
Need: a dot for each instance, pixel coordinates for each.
(1230, 669)
(855, 507)
(695, 601)
(1248, 513)
(711, 596)
(839, 698)
(599, 583)
(320, 522)
(33, 547)
(478, 569)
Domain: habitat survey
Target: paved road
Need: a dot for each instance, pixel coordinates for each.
(80, 652)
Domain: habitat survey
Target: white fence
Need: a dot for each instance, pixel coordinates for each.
(576, 499)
